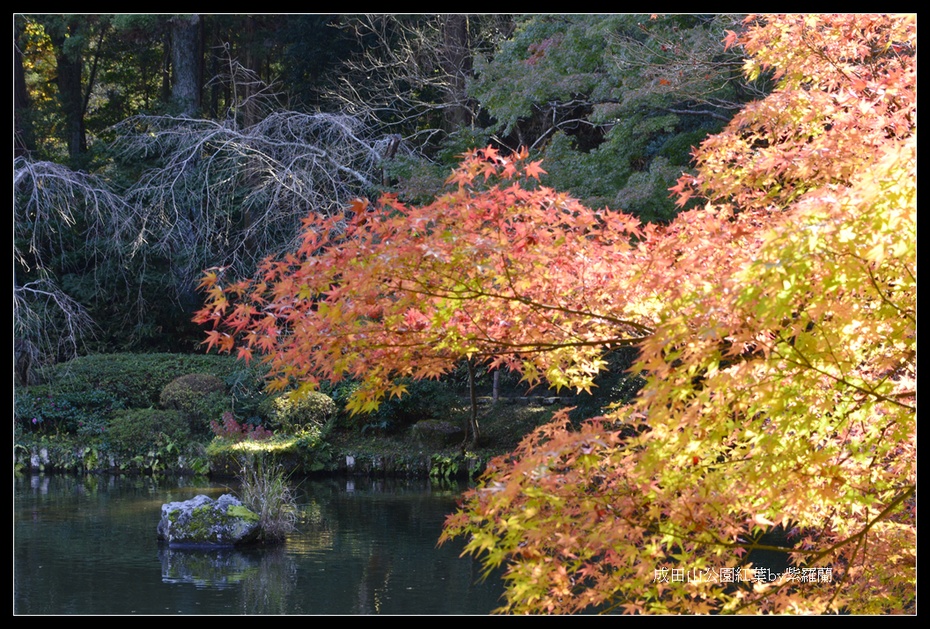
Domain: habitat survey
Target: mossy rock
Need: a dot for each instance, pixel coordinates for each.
(202, 523)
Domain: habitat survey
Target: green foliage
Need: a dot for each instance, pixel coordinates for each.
(315, 451)
(138, 431)
(443, 468)
(614, 102)
(104, 403)
(135, 379)
(37, 409)
(246, 387)
(297, 411)
(156, 459)
(200, 398)
(341, 393)
(59, 452)
(424, 399)
(416, 178)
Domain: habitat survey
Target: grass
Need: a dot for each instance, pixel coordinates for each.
(265, 490)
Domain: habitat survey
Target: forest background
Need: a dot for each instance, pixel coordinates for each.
(151, 147)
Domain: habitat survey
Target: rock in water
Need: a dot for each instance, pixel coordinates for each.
(205, 523)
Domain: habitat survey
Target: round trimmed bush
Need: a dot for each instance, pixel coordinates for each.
(295, 413)
(198, 397)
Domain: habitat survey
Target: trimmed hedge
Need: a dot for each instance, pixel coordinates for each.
(199, 397)
(136, 380)
(135, 430)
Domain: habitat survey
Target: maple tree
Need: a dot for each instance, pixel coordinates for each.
(776, 328)
(392, 291)
(780, 376)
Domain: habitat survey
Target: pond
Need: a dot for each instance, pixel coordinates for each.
(87, 545)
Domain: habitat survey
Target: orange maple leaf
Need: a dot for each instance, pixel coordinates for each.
(534, 170)
(730, 39)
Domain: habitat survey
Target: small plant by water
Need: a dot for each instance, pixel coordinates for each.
(265, 490)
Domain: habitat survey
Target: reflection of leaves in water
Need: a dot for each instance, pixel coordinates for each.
(315, 532)
(267, 586)
(374, 582)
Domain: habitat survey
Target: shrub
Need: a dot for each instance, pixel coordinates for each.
(199, 398)
(138, 430)
(425, 399)
(135, 379)
(232, 430)
(246, 386)
(37, 409)
(296, 413)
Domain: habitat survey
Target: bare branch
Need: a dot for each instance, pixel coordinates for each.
(414, 68)
(48, 326)
(228, 196)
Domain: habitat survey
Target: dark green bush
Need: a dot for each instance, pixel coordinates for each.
(38, 409)
(200, 398)
(425, 399)
(136, 380)
(138, 430)
(246, 386)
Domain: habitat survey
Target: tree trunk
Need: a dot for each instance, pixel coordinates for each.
(70, 64)
(473, 419)
(187, 64)
(248, 88)
(457, 65)
(24, 134)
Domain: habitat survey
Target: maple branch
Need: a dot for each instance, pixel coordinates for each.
(805, 362)
(907, 314)
(534, 347)
(537, 305)
(860, 537)
(909, 491)
(474, 293)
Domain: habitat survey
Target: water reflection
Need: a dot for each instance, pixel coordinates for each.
(362, 547)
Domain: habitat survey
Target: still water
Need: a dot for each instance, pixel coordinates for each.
(87, 545)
